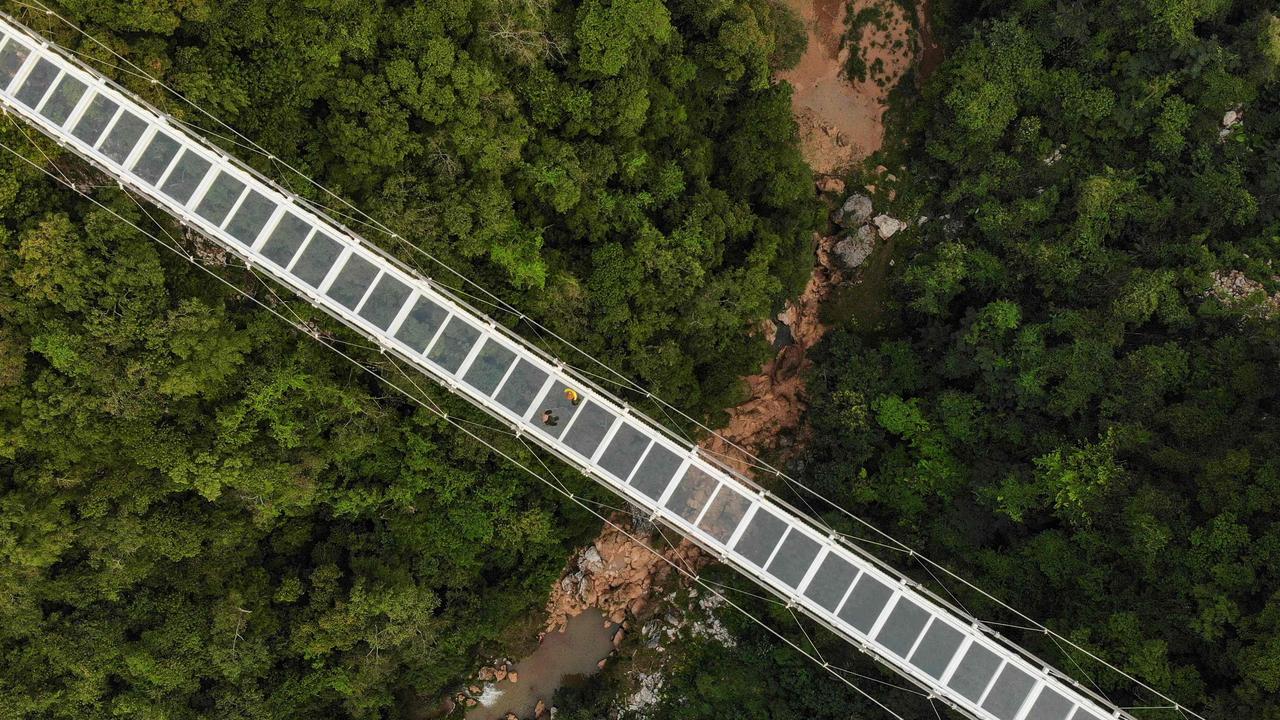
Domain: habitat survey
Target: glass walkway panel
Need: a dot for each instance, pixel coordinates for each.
(954, 658)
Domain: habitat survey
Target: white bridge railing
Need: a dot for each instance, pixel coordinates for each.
(881, 611)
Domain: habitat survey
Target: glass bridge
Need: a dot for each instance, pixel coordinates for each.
(951, 656)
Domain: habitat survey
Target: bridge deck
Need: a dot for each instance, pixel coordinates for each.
(854, 595)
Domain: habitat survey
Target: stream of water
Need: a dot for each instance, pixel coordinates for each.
(576, 651)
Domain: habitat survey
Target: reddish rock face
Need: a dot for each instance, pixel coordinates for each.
(618, 571)
(829, 184)
(615, 574)
(777, 401)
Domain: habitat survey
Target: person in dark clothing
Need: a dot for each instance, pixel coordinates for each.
(550, 419)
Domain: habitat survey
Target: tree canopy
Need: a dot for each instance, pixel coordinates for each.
(1066, 402)
(1070, 394)
(205, 514)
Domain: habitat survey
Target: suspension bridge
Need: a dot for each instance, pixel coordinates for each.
(951, 656)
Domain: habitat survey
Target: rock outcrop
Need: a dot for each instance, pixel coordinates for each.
(1235, 289)
(648, 692)
(829, 184)
(616, 574)
(856, 210)
(1230, 120)
(888, 225)
(776, 393)
(850, 252)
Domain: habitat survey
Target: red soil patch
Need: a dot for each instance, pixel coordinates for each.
(841, 120)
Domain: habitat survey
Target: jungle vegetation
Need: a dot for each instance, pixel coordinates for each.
(1066, 402)
(204, 513)
(1062, 399)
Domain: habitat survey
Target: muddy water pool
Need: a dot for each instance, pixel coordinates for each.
(576, 651)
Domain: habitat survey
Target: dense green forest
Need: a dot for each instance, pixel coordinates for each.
(1062, 403)
(1060, 400)
(205, 514)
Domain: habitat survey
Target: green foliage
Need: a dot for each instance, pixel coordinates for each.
(1079, 478)
(791, 37)
(1060, 404)
(203, 514)
(610, 35)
